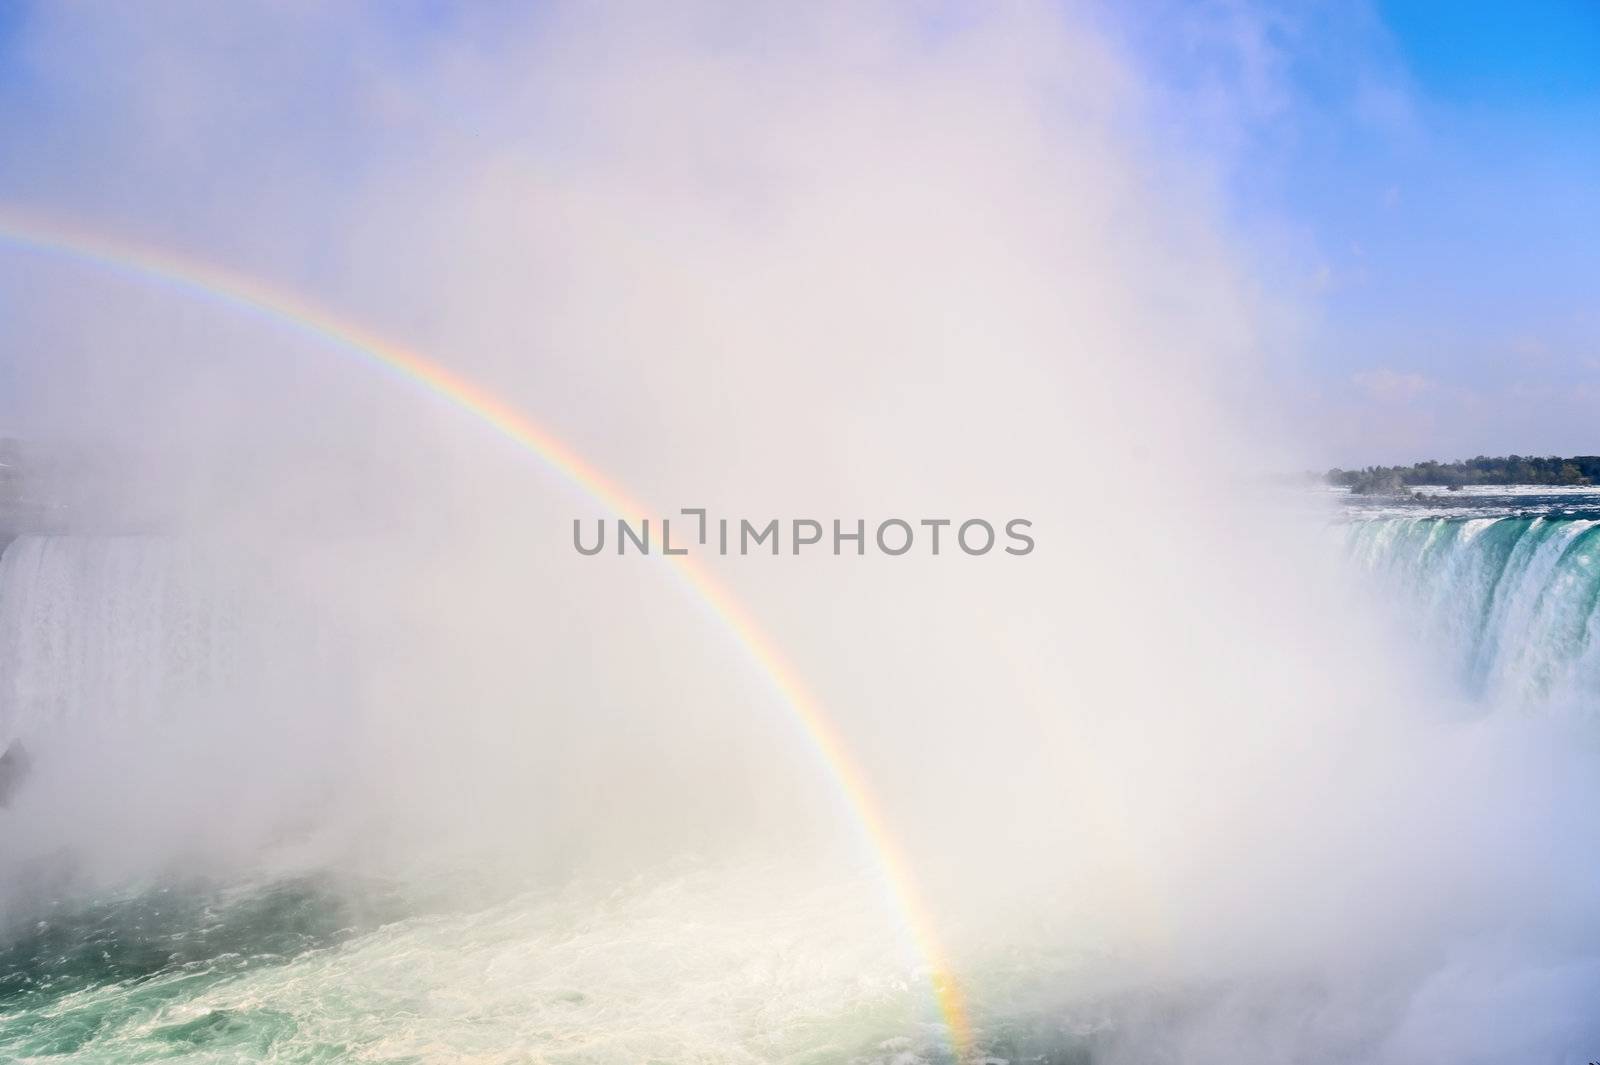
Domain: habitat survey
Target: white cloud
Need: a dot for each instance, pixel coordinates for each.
(1391, 386)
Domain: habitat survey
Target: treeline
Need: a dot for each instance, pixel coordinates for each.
(1509, 469)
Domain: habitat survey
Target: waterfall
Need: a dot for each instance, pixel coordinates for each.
(1511, 599)
(105, 632)
(109, 628)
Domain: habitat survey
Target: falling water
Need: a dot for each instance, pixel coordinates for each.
(106, 628)
(1510, 599)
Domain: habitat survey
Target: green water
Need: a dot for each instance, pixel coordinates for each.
(688, 967)
(111, 980)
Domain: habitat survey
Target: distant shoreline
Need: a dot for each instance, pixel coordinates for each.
(1483, 471)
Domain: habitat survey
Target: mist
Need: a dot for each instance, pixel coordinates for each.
(1168, 779)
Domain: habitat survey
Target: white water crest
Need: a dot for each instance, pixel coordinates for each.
(1510, 600)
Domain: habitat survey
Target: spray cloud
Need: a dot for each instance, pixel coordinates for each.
(831, 260)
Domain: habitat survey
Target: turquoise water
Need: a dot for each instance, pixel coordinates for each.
(108, 980)
(1509, 600)
(692, 965)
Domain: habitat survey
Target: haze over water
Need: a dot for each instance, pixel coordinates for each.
(340, 751)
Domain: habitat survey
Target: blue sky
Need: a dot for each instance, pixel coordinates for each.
(1431, 172)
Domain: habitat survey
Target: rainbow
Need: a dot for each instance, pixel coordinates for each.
(36, 234)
